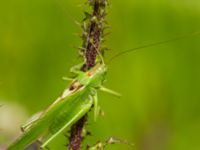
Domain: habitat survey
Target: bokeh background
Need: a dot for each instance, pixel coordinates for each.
(160, 107)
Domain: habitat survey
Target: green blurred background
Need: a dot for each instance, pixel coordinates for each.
(160, 107)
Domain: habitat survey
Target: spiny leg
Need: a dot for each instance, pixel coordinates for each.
(67, 78)
(76, 69)
(96, 107)
(110, 91)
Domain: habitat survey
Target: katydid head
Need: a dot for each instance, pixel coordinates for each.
(93, 77)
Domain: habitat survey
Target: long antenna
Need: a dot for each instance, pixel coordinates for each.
(154, 44)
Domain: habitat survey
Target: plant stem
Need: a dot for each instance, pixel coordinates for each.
(91, 46)
(76, 134)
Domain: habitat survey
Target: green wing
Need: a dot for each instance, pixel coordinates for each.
(72, 114)
(42, 125)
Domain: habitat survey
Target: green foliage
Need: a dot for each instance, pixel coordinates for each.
(160, 85)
